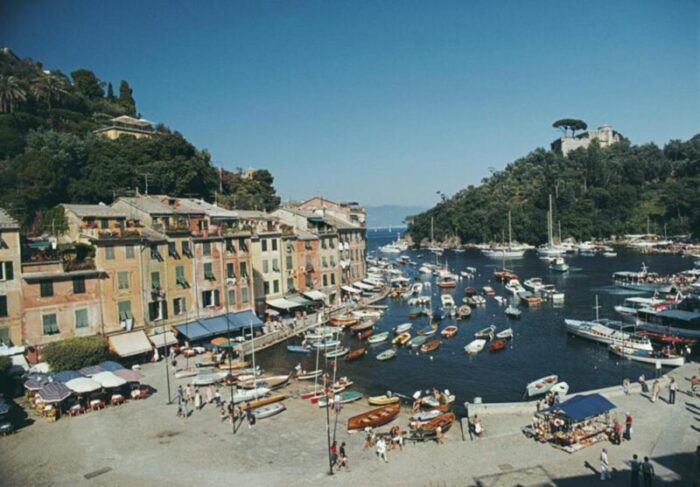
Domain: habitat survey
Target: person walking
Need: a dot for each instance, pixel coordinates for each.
(604, 465)
(626, 386)
(643, 383)
(628, 426)
(334, 453)
(251, 417)
(209, 394)
(647, 472)
(217, 397)
(381, 450)
(655, 390)
(180, 393)
(188, 393)
(634, 471)
(438, 435)
(197, 400)
(343, 459)
(672, 388)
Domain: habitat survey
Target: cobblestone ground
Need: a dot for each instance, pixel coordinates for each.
(143, 443)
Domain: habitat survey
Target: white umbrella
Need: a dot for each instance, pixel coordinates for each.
(82, 385)
(108, 379)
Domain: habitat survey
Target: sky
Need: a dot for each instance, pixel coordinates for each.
(381, 102)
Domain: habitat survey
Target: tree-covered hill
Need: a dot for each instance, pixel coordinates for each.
(49, 154)
(597, 192)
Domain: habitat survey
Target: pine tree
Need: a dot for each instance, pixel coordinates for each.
(126, 97)
(110, 92)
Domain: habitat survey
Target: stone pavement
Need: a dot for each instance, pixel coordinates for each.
(143, 443)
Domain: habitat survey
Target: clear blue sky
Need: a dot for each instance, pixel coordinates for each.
(380, 102)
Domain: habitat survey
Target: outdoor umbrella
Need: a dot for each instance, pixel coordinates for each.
(66, 375)
(34, 384)
(220, 341)
(91, 370)
(108, 379)
(82, 385)
(129, 375)
(110, 365)
(54, 392)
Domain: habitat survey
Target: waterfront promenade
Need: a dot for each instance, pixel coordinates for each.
(143, 443)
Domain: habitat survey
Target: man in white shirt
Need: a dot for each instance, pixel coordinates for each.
(381, 450)
(604, 465)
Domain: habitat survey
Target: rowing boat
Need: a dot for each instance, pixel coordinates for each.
(444, 422)
(272, 382)
(343, 321)
(298, 349)
(209, 378)
(404, 327)
(382, 400)
(430, 346)
(417, 341)
(475, 346)
(387, 354)
(497, 345)
(308, 375)
(355, 354)
(507, 333)
(365, 334)
(245, 395)
(362, 326)
(263, 401)
(428, 331)
(485, 333)
(402, 339)
(378, 338)
(374, 418)
(540, 386)
(449, 331)
(337, 352)
(268, 410)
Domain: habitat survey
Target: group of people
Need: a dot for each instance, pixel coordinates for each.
(339, 457)
(384, 442)
(655, 391)
(638, 469)
(189, 395)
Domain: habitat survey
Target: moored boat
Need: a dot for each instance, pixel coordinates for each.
(540, 386)
(298, 349)
(365, 334)
(444, 422)
(272, 382)
(362, 326)
(475, 346)
(337, 352)
(268, 410)
(418, 341)
(374, 418)
(403, 328)
(507, 333)
(430, 346)
(308, 375)
(401, 339)
(486, 332)
(378, 338)
(449, 331)
(387, 354)
(497, 345)
(513, 312)
(644, 356)
(344, 320)
(464, 312)
(428, 331)
(355, 354)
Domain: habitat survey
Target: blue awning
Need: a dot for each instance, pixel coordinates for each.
(583, 407)
(243, 319)
(193, 330)
(218, 325)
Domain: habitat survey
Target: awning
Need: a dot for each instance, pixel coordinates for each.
(67, 375)
(583, 407)
(301, 300)
(350, 289)
(282, 303)
(54, 392)
(315, 295)
(243, 319)
(81, 385)
(129, 344)
(164, 339)
(362, 285)
(108, 379)
(129, 375)
(193, 330)
(217, 325)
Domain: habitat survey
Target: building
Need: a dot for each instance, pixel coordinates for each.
(10, 280)
(126, 125)
(605, 135)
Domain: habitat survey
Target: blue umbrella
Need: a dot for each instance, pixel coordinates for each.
(54, 392)
(91, 370)
(109, 366)
(66, 375)
(34, 384)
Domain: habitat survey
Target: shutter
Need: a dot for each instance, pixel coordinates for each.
(216, 297)
(9, 272)
(165, 309)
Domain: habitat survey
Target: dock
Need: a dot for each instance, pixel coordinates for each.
(289, 328)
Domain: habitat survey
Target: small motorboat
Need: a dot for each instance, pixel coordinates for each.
(449, 331)
(541, 386)
(560, 388)
(403, 328)
(513, 312)
(498, 345)
(365, 334)
(309, 375)
(486, 332)
(558, 264)
(507, 333)
(488, 291)
(298, 349)
(378, 338)
(387, 354)
(382, 400)
(475, 346)
(478, 300)
(268, 410)
(374, 418)
(355, 354)
(419, 340)
(534, 284)
(430, 346)
(337, 352)
(402, 339)
(344, 398)
(464, 311)
(447, 301)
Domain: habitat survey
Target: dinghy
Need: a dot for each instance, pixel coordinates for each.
(507, 333)
(378, 338)
(449, 331)
(268, 410)
(335, 353)
(475, 346)
(402, 339)
(374, 418)
(417, 341)
(444, 422)
(486, 332)
(382, 400)
(428, 331)
(326, 344)
(298, 349)
(464, 311)
(560, 388)
(430, 346)
(540, 386)
(387, 354)
(403, 328)
(344, 397)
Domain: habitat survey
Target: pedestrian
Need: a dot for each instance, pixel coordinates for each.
(250, 416)
(643, 383)
(369, 438)
(334, 453)
(604, 465)
(647, 472)
(381, 450)
(188, 393)
(180, 393)
(197, 400)
(180, 413)
(655, 390)
(217, 397)
(478, 428)
(343, 460)
(672, 388)
(185, 411)
(626, 386)
(438, 435)
(617, 432)
(634, 474)
(628, 426)
(209, 394)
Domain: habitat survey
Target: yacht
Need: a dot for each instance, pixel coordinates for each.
(505, 251)
(550, 249)
(600, 331)
(514, 286)
(558, 264)
(643, 281)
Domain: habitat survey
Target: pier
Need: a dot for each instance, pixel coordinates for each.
(288, 328)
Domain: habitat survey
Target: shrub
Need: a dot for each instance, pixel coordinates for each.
(5, 364)
(76, 353)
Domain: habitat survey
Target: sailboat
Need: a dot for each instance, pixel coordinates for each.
(550, 249)
(433, 248)
(506, 252)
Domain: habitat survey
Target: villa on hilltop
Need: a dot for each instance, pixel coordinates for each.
(605, 135)
(126, 125)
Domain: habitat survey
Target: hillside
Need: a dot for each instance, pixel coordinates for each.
(49, 154)
(597, 192)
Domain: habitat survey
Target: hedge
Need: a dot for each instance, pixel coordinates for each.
(76, 353)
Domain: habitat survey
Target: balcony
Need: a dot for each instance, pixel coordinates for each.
(309, 268)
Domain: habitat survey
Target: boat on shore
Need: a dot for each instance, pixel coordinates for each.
(209, 378)
(245, 395)
(374, 418)
(644, 356)
(309, 375)
(344, 398)
(429, 427)
(268, 410)
(272, 382)
(344, 321)
(541, 386)
(272, 398)
(383, 400)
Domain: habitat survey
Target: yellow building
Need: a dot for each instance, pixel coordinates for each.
(125, 125)
(10, 281)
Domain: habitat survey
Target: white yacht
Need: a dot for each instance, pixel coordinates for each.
(514, 287)
(534, 284)
(599, 331)
(558, 264)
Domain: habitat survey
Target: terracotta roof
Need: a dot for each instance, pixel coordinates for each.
(99, 211)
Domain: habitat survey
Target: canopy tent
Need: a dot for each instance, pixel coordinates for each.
(350, 289)
(243, 319)
(54, 392)
(67, 375)
(108, 379)
(130, 344)
(362, 285)
(193, 330)
(302, 301)
(35, 384)
(283, 304)
(82, 385)
(109, 366)
(129, 375)
(164, 339)
(316, 295)
(583, 407)
(91, 370)
(205, 328)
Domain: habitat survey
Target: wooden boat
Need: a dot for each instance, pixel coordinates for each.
(402, 339)
(444, 421)
(432, 402)
(263, 401)
(433, 405)
(426, 415)
(449, 331)
(268, 410)
(428, 331)
(314, 394)
(540, 386)
(378, 338)
(464, 311)
(403, 328)
(430, 346)
(530, 299)
(362, 326)
(298, 349)
(345, 397)
(485, 333)
(355, 354)
(387, 354)
(343, 321)
(337, 352)
(498, 345)
(374, 418)
(644, 356)
(308, 375)
(272, 382)
(383, 400)
(470, 291)
(475, 346)
(507, 333)
(365, 334)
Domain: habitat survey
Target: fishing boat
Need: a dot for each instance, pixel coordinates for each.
(403, 328)
(418, 341)
(513, 312)
(272, 382)
(488, 291)
(245, 395)
(263, 401)
(344, 398)
(444, 422)
(486, 332)
(315, 393)
(498, 345)
(559, 265)
(337, 352)
(401, 339)
(374, 418)
(365, 334)
(387, 354)
(378, 338)
(298, 349)
(447, 301)
(383, 400)
(464, 312)
(268, 410)
(234, 364)
(362, 326)
(449, 331)
(343, 320)
(430, 346)
(540, 386)
(308, 375)
(507, 333)
(355, 354)
(475, 346)
(209, 378)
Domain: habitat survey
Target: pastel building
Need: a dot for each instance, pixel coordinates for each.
(10, 280)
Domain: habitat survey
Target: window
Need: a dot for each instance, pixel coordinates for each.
(332, 261)
(244, 295)
(46, 289)
(157, 310)
(244, 270)
(275, 265)
(78, 285)
(332, 279)
(307, 245)
(242, 246)
(231, 296)
(172, 250)
(290, 284)
(155, 254)
(230, 273)
(274, 244)
(4, 335)
(210, 298)
(290, 248)
(325, 280)
(6, 271)
(288, 262)
(308, 280)
(266, 288)
(276, 286)
(124, 308)
(266, 266)
(109, 253)
(81, 318)
(155, 280)
(206, 248)
(208, 272)
(323, 243)
(3, 307)
(180, 275)
(230, 247)
(50, 324)
(123, 280)
(263, 245)
(179, 306)
(324, 262)
(186, 249)
(308, 261)
(129, 251)
(104, 223)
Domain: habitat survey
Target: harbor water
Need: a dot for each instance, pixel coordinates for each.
(540, 346)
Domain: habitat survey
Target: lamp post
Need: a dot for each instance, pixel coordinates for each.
(167, 372)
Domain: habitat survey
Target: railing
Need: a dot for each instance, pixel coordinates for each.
(289, 328)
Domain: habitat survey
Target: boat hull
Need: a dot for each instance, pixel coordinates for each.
(374, 418)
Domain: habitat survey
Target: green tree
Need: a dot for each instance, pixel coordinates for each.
(87, 83)
(76, 353)
(573, 124)
(49, 87)
(11, 93)
(126, 97)
(110, 92)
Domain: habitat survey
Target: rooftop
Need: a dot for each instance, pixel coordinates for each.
(96, 211)
(6, 221)
(148, 204)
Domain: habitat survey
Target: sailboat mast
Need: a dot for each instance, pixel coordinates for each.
(510, 232)
(549, 223)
